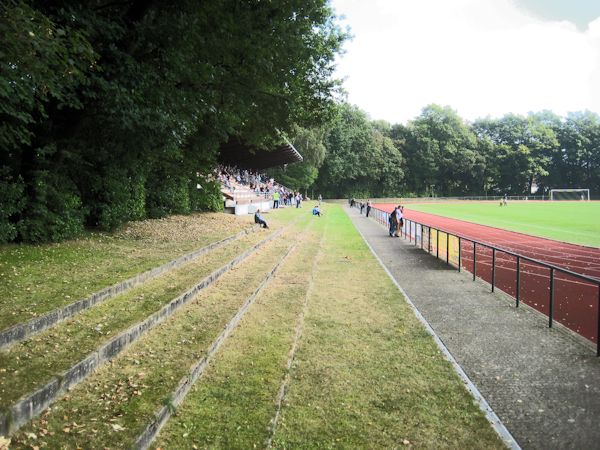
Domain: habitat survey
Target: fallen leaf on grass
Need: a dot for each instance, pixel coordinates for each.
(117, 427)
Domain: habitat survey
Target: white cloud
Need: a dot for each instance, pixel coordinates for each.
(481, 58)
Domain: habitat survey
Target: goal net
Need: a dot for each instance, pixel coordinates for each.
(570, 194)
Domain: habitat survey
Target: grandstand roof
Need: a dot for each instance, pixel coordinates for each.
(238, 154)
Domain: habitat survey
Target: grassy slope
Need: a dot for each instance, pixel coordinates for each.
(72, 340)
(111, 407)
(35, 279)
(366, 374)
(576, 222)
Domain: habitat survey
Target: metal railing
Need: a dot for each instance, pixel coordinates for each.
(562, 295)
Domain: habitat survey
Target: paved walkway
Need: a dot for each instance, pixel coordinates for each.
(543, 384)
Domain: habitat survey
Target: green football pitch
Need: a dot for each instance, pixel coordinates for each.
(576, 222)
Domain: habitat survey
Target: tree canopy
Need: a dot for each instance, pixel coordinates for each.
(115, 111)
(439, 153)
(110, 109)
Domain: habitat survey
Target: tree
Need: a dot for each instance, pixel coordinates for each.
(523, 150)
(441, 150)
(101, 99)
(310, 143)
(576, 163)
(361, 161)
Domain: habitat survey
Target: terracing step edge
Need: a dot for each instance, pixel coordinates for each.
(25, 330)
(32, 404)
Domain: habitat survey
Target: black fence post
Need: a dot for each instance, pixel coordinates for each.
(493, 268)
(437, 245)
(421, 236)
(518, 296)
(474, 260)
(551, 308)
(447, 248)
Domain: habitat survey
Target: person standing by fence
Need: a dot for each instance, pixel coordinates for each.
(368, 207)
(399, 219)
(393, 222)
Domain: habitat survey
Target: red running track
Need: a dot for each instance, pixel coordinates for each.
(576, 301)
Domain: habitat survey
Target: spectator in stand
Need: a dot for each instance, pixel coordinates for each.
(259, 219)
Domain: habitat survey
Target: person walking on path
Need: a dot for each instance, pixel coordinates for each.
(368, 207)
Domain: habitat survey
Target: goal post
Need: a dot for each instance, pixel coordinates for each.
(570, 194)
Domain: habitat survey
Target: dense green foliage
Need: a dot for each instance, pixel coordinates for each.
(440, 154)
(361, 160)
(299, 176)
(113, 111)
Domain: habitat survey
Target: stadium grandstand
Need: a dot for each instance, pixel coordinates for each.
(244, 185)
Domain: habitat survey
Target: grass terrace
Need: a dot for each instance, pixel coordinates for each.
(328, 355)
(35, 279)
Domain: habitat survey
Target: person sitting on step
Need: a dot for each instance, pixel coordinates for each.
(259, 220)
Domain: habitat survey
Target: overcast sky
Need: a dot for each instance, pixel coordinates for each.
(481, 57)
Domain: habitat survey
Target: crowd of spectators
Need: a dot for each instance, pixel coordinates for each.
(259, 183)
(252, 180)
